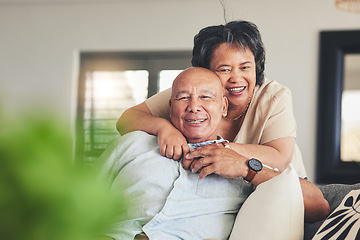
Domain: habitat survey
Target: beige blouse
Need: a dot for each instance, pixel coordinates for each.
(269, 117)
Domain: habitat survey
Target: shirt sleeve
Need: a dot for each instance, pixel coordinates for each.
(159, 104)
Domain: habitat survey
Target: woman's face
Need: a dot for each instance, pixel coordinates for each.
(237, 71)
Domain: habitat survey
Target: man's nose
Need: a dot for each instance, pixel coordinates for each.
(194, 105)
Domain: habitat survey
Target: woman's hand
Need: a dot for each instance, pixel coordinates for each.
(215, 158)
(172, 143)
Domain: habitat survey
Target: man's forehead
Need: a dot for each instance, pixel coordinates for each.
(198, 83)
(195, 90)
(196, 80)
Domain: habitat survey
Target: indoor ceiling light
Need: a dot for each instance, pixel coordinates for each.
(348, 5)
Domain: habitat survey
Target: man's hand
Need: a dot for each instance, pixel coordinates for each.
(172, 143)
(215, 158)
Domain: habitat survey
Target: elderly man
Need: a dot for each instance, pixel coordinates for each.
(170, 202)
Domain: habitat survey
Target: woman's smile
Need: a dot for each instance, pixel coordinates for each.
(236, 90)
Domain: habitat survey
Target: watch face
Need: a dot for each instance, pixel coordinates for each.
(255, 164)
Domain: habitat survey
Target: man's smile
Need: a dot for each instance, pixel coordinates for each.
(195, 120)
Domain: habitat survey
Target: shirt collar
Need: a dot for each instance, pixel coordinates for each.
(195, 145)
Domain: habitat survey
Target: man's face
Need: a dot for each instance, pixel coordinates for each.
(197, 104)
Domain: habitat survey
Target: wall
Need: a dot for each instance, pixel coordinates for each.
(40, 41)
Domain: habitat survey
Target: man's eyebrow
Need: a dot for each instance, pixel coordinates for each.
(181, 92)
(203, 91)
(208, 91)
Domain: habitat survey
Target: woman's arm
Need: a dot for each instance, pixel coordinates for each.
(234, 165)
(171, 141)
(269, 127)
(139, 118)
(276, 154)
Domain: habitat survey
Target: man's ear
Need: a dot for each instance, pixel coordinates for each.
(225, 106)
(170, 106)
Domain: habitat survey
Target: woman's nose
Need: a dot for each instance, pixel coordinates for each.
(235, 76)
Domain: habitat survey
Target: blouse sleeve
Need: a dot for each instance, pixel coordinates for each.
(281, 121)
(159, 104)
(270, 115)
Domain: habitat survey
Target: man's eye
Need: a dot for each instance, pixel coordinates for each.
(205, 97)
(182, 98)
(245, 67)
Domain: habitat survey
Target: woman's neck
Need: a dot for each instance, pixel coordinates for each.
(230, 129)
(237, 112)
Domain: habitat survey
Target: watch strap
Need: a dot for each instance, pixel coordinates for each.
(250, 176)
(254, 167)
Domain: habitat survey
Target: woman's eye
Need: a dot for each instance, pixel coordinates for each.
(224, 70)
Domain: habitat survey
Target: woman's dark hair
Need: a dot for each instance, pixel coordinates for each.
(243, 33)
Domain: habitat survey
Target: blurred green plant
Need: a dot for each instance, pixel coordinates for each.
(43, 194)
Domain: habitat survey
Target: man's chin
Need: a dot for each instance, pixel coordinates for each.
(194, 138)
(198, 134)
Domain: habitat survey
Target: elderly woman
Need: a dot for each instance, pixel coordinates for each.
(259, 123)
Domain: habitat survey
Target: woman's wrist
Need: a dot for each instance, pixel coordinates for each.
(162, 125)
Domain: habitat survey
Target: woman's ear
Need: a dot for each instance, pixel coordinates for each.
(225, 106)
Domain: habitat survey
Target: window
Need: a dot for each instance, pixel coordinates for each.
(109, 83)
